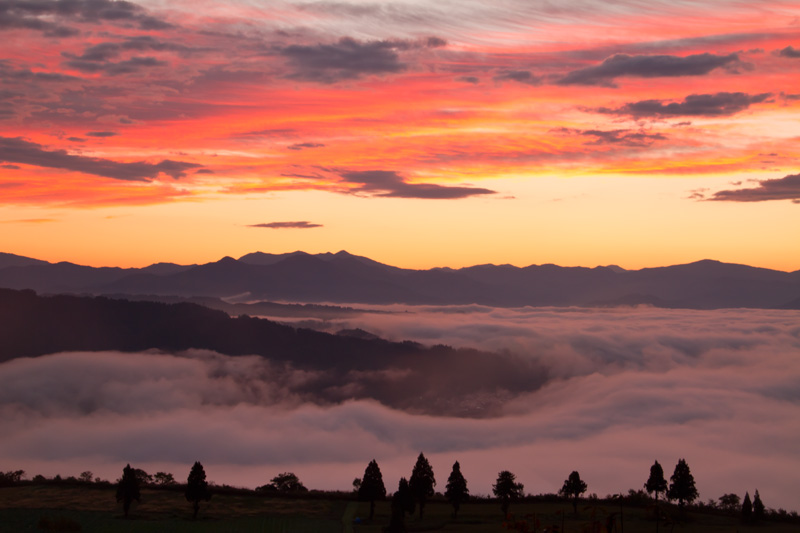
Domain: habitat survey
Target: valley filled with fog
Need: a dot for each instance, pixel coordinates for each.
(602, 391)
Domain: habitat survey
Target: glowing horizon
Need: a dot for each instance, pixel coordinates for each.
(416, 134)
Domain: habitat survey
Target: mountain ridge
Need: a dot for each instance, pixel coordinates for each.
(342, 277)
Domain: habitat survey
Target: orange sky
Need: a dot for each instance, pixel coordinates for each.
(417, 133)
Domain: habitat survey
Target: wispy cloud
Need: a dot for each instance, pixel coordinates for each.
(286, 225)
(303, 146)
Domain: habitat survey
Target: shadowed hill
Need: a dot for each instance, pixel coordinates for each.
(404, 375)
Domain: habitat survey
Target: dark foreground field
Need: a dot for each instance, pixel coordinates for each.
(94, 509)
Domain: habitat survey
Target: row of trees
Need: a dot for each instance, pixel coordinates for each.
(752, 511)
(419, 488)
(196, 487)
(681, 485)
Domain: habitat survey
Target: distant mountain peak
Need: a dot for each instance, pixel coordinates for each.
(7, 260)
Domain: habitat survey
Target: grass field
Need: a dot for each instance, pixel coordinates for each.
(94, 509)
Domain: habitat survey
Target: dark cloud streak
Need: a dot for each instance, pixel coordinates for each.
(390, 184)
(694, 105)
(18, 150)
(303, 224)
(786, 188)
(302, 146)
(39, 15)
(790, 52)
(349, 59)
(648, 66)
(521, 76)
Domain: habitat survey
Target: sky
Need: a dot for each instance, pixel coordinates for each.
(623, 388)
(417, 133)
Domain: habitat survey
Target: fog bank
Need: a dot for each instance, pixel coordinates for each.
(622, 388)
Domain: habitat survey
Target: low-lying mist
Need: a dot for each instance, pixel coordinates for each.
(604, 392)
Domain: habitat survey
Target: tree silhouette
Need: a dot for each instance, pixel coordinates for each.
(285, 482)
(128, 489)
(456, 490)
(402, 503)
(422, 482)
(681, 485)
(371, 487)
(758, 507)
(574, 486)
(729, 502)
(506, 489)
(747, 508)
(164, 479)
(656, 482)
(197, 487)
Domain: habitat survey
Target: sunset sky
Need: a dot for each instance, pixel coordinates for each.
(415, 132)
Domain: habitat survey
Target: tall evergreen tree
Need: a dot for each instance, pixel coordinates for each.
(422, 482)
(758, 507)
(656, 482)
(456, 490)
(402, 503)
(506, 489)
(372, 487)
(197, 487)
(747, 508)
(573, 487)
(681, 485)
(128, 489)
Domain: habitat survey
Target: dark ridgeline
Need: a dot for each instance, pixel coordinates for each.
(343, 277)
(32, 325)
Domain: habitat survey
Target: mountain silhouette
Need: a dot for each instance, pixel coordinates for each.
(345, 278)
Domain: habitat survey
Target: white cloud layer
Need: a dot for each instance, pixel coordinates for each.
(625, 388)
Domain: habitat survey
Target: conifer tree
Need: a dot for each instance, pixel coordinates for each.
(506, 489)
(422, 482)
(128, 489)
(758, 507)
(197, 487)
(371, 487)
(681, 485)
(656, 482)
(402, 503)
(456, 490)
(747, 508)
(574, 486)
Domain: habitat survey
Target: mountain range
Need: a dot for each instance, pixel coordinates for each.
(345, 278)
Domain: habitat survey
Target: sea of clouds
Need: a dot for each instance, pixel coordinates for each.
(620, 389)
